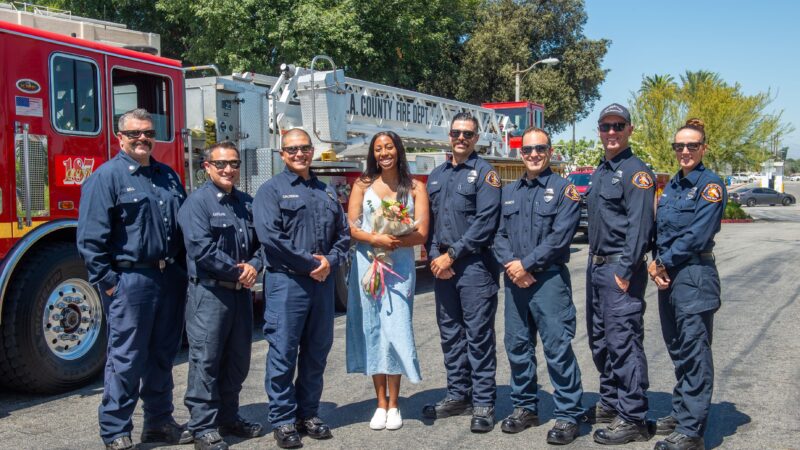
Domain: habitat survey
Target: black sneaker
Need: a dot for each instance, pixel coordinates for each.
(241, 428)
(169, 433)
(620, 431)
(120, 443)
(666, 425)
(210, 441)
(562, 433)
(286, 436)
(446, 408)
(314, 427)
(482, 419)
(679, 441)
(519, 420)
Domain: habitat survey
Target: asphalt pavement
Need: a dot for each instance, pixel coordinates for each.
(756, 351)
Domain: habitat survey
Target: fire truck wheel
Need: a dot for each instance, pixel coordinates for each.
(342, 290)
(54, 334)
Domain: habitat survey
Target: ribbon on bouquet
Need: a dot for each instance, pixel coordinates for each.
(374, 281)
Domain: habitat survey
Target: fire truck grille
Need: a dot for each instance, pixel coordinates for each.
(37, 166)
(257, 168)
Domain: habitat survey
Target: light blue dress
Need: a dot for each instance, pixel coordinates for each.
(380, 336)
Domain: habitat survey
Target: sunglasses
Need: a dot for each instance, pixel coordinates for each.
(220, 164)
(133, 134)
(606, 127)
(305, 149)
(540, 149)
(692, 146)
(467, 134)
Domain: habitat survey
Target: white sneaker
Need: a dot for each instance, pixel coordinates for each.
(394, 421)
(378, 421)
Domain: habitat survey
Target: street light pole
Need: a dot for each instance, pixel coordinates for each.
(517, 73)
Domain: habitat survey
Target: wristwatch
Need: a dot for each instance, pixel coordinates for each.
(451, 253)
(659, 262)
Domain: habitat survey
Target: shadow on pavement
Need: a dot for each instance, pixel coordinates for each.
(724, 418)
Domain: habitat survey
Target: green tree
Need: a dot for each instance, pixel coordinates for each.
(519, 32)
(739, 127)
(585, 152)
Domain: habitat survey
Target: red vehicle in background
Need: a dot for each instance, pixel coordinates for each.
(522, 115)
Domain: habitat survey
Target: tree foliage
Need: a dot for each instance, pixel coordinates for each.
(464, 49)
(585, 152)
(738, 126)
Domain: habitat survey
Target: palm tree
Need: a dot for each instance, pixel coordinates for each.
(657, 82)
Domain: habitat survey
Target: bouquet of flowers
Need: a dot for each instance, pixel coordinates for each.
(393, 218)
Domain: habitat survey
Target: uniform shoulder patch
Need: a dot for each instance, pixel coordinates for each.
(572, 193)
(713, 193)
(642, 180)
(493, 179)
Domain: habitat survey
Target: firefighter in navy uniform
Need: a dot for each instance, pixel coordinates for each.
(621, 211)
(689, 214)
(540, 214)
(465, 199)
(129, 238)
(223, 258)
(305, 236)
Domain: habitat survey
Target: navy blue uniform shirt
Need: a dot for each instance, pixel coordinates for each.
(219, 234)
(539, 218)
(297, 218)
(465, 206)
(689, 215)
(621, 210)
(128, 212)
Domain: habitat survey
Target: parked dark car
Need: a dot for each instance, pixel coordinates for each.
(761, 196)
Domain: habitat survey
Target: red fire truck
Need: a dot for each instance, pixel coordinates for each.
(59, 104)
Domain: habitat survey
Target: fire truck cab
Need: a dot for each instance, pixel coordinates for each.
(59, 104)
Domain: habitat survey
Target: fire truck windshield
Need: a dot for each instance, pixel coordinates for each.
(519, 117)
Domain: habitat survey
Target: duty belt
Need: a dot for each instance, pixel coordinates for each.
(210, 282)
(161, 264)
(443, 249)
(550, 268)
(607, 259)
(696, 259)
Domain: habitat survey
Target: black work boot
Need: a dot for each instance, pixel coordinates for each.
(482, 419)
(241, 428)
(210, 441)
(120, 443)
(446, 408)
(286, 436)
(621, 432)
(519, 420)
(169, 433)
(601, 414)
(314, 427)
(666, 425)
(680, 441)
(562, 433)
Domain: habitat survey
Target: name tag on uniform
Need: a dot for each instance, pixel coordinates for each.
(130, 189)
(508, 202)
(218, 214)
(290, 196)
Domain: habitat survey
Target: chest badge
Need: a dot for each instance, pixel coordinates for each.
(614, 180)
(472, 176)
(692, 193)
(548, 195)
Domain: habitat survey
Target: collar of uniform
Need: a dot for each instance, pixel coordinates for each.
(470, 162)
(614, 162)
(692, 177)
(220, 194)
(295, 178)
(541, 179)
(133, 165)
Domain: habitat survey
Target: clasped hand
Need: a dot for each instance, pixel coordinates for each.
(659, 275)
(518, 275)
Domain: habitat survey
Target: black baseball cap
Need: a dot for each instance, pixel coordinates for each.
(615, 109)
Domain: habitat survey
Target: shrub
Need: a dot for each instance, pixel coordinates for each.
(734, 211)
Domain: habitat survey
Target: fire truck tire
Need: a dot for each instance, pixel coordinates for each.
(53, 331)
(342, 289)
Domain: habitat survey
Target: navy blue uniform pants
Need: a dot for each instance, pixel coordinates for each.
(687, 310)
(219, 325)
(615, 324)
(465, 309)
(145, 325)
(298, 325)
(545, 308)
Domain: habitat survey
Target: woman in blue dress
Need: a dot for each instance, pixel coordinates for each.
(380, 337)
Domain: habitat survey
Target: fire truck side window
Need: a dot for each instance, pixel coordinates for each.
(75, 99)
(144, 90)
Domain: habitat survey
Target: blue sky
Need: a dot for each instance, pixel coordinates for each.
(755, 44)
